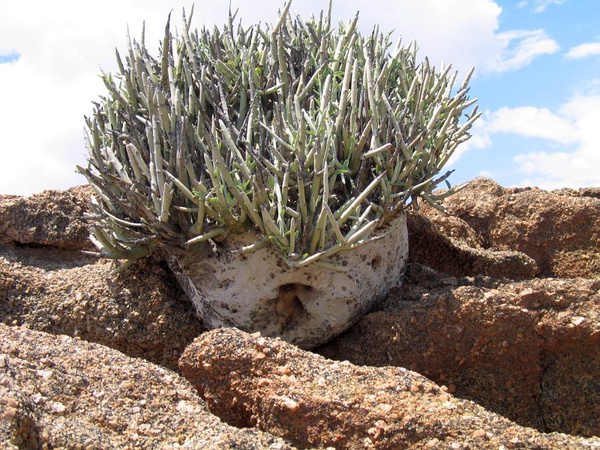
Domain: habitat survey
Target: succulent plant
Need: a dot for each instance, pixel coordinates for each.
(312, 136)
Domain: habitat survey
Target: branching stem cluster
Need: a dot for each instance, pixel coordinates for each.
(315, 137)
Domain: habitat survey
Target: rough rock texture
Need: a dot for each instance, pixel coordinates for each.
(529, 350)
(60, 392)
(488, 325)
(560, 230)
(141, 312)
(253, 381)
(49, 218)
(459, 257)
(49, 285)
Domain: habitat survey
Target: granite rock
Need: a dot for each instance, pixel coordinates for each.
(529, 350)
(314, 402)
(53, 218)
(60, 392)
(559, 229)
(499, 309)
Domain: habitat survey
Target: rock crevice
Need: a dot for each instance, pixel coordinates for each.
(492, 340)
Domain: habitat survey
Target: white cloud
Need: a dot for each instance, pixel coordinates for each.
(574, 127)
(584, 50)
(42, 122)
(533, 122)
(458, 32)
(63, 46)
(480, 139)
(45, 93)
(539, 6)
(520, 47)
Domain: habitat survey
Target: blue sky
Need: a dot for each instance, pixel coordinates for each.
(541, 118)
(537, 77)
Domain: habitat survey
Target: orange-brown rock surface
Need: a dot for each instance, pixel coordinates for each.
(529, 350)
(560, 229)
(60, 392)
(253, 381)
(499, 308)
(51, 218)
(140, 312)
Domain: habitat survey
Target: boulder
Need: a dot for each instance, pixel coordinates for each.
(254, 381)
(48, 284)
(141, 312)
(529, 350)
(53, 218)
(60, 392)
(450, 253)
(560, 229)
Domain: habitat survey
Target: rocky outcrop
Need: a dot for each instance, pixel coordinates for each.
(560, 230)
(499, 308)
(51, 218)
(529, 350)
(60, 392)
(253, 381)
(141, 312)
(48, 284)
(460, 257)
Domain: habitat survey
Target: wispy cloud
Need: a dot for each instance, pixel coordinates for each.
(576, 168)
(584, 50)
(521, 47)
(539, 6)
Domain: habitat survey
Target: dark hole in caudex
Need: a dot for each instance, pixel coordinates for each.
(376, 262)
(288, 305)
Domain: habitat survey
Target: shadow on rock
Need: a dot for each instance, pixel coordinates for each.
(500, 304)
(253, 381)
(529, 350)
